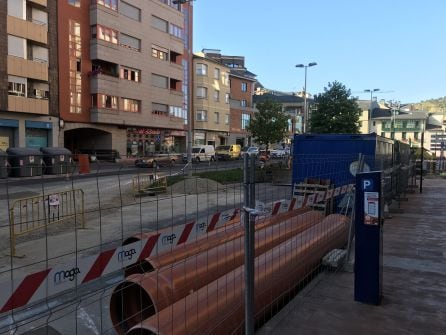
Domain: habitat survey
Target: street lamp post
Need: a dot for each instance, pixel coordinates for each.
(371, 100)
(305, 123)
(189, 110)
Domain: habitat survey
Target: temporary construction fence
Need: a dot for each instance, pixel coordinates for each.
(169, 262)
(27, 215)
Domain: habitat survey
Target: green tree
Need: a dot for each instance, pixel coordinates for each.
(336, 111)
(270, 124)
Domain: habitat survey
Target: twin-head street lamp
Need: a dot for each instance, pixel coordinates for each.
(371, 93)
(305, 123)
(371, 100)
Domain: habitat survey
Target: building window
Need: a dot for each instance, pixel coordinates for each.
(410, 124)
(383, 134)
(130, 74)
(202, 92)
(104, 33)
(242, 103)
(160, 53)
(130, 42)
(109, 101)
(75, 54)
(130, 11)
(201, 70)
(201, 115)
(225, 79)
(245, 120)
(398, 124)
(160, 81)
(216, 95)
(227, 119)
(415, 135)
(16, 86)
(216, 73)
(404, 135)
(199, 138)
(244, 87)
(75, 3)
(177, 111)
(160, 109)
(112, 4)
(176, 31)
(17, 46)
(130, 105)
(104, 101)
(227, 98)
(159, 24)
(217, 117)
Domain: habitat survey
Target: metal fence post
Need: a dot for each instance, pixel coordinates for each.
(249, 222)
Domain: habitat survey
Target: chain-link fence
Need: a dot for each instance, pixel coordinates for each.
(170, 259)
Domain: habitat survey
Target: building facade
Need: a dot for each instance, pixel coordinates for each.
(28, 74)
(211, 97)
(241, 83)
(121, 75)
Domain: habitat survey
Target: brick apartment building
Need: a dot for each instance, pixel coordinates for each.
(95, 74)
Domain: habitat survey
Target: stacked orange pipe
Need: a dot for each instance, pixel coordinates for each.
(142, 295)
(231, 230)
(217, 308)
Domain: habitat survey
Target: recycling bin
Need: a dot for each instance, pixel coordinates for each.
(57, 160)
(25, 162)
(3, 164)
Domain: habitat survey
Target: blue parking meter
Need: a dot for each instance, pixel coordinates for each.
(368, 238)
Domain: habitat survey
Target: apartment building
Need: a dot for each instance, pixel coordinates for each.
(28, 74)
(121, 75)
(241, 83)
(403, 125)
(210, 101)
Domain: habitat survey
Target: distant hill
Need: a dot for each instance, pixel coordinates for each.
(431, 105)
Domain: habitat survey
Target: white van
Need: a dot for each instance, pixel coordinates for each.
(201, 153)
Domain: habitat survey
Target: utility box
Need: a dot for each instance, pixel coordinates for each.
(335, 156)
(3, 164)
(57, 160)
(25, 162)
(368, 238)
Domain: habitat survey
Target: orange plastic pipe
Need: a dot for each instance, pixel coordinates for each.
(218, 308)
(145, 294)
(232, 230)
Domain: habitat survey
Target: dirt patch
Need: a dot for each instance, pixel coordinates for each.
(195, 185)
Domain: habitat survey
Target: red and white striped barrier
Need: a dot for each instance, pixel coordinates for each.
(51, 281)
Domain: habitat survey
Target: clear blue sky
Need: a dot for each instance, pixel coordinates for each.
(395, 45)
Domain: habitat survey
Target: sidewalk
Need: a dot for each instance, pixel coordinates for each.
(414, 280)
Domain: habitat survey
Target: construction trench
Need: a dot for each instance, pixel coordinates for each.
(198, 288)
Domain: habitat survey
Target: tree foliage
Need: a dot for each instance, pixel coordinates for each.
(336, 111)
(270, 124)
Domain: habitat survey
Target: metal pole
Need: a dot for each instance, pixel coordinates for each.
(249, 222)
(422, 161)
(305, 102)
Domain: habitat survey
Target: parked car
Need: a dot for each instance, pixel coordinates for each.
(201, 153)
(156, 160)
(251, 150)
(226, 152)
(280, 153)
